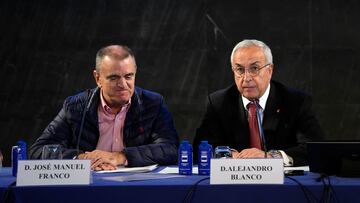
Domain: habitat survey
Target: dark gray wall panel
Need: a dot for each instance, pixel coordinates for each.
(182, 50)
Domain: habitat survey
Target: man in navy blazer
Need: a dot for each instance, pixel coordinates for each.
(116, 123)
(288, 120)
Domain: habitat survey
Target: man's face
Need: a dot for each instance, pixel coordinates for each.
(116, 79)
(251, 86)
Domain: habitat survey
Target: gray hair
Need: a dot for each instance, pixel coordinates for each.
(118, 52)
(254, 42)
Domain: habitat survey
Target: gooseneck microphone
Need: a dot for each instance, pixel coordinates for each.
(261, 129)
(86, 109)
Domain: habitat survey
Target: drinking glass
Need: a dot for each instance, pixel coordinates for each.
(53, 151)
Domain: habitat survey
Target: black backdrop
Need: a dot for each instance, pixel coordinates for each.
(182, 47)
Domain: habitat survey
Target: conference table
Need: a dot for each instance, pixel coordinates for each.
(114, 187)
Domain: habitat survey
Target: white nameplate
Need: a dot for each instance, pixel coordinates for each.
(247, 171)
(53, 172)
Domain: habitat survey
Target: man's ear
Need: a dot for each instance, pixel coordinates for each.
(97, 78)
(271, 69)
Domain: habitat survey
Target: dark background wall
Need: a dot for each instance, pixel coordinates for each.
(182, 47)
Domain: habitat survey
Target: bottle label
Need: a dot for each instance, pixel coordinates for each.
(185, 159)
(205, 155)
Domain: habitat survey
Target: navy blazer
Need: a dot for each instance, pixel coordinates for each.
(149, 133)
(288, 123)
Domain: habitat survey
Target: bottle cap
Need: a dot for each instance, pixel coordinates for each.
(21, 143)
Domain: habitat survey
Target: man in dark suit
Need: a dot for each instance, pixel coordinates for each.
(121, 124)
(286, 115)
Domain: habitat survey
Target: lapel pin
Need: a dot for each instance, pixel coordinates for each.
(141, 130)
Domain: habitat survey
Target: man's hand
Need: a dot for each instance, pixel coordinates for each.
(248, 153)
(103, 160)
(104, 166)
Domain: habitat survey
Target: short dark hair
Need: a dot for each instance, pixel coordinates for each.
(118, 52)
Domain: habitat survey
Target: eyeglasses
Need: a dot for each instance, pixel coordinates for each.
(252, 70)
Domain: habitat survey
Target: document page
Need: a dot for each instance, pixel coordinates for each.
(175, 170)
(141, 176)
(131, 169)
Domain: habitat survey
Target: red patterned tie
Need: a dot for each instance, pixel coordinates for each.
(253, 126)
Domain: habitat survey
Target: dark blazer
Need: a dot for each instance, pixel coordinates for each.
(288, 122)
(149, 133)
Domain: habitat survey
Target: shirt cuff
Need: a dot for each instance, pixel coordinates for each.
(288, 160)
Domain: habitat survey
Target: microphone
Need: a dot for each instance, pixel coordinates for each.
(261, 130)
(86, 109)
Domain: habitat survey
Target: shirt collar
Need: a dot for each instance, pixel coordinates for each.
(262, 99)
(108, 109)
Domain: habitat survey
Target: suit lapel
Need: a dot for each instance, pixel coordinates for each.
(272, 110)
(236, 115)
(243, 130)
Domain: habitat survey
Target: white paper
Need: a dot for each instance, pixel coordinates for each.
(122, 169)
(304, 168)
(143, 176)
(175, 170)
(247, 171)
(53, 172)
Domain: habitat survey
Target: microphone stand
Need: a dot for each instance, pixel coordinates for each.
(86, 109)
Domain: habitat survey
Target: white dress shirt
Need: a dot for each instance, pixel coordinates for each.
(288, 161)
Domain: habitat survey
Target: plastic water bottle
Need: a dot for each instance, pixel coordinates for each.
(185, 158)
(204, 157)
(22, 153)
(18, 153)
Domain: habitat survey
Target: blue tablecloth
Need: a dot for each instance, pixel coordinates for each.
(6, 179)
(192, 188)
